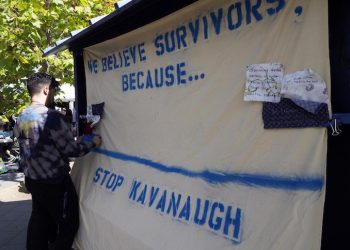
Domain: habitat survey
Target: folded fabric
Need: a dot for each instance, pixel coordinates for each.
(287, 114)
(94, 113)
(97, 109)
(310, 106)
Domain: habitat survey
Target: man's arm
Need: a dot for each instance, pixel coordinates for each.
(64, 139)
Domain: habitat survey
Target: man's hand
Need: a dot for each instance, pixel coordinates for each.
(97, 140)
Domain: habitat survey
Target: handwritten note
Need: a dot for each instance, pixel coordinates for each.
(263, 82)
(304, 85)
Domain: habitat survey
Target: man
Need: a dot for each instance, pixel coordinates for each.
(46, 143)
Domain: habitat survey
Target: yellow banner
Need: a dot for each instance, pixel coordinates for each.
(186, 163)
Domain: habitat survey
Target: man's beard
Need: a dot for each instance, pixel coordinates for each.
(50, 103)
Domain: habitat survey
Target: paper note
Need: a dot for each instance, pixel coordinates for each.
(263, 82)
(304, 85)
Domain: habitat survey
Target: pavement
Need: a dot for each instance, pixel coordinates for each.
(15, 209)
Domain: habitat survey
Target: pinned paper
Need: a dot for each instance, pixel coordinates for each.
(263, 82)
(94, 113)
(305, 88)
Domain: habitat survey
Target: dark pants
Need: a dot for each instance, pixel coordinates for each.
(55, 214)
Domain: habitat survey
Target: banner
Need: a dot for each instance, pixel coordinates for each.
(185, 162)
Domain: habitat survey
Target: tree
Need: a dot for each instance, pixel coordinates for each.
(28, 27)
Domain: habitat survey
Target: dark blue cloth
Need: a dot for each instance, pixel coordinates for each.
(286, 114)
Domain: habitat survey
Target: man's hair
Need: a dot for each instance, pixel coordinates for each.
(37, 81)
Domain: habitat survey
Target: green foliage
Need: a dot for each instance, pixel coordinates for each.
(29, 26)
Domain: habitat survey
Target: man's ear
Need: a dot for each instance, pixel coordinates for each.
(46, 90)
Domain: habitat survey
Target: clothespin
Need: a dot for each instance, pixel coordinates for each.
(337, 120)
(335, 127)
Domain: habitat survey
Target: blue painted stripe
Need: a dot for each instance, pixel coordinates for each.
(218, 177)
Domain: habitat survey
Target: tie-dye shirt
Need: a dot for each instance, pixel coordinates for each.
(46, 143)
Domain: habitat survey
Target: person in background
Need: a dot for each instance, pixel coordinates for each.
(46, 143)
(2, 126)
(65, 111)
(2, 137)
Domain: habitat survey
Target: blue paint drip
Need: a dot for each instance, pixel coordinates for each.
(298, 10)
(219, 177)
